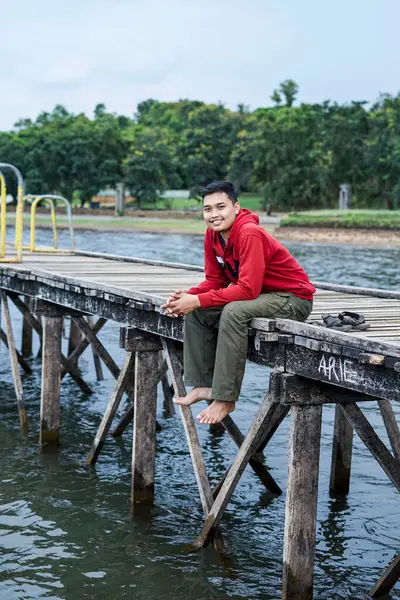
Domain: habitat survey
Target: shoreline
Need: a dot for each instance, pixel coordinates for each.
(310, 235)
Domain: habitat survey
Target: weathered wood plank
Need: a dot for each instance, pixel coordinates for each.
(96, 357)
(144, 427)
(325, 334)
(75, 337)
(189, 426)
(22, 362)
(37, 326)
(374, 444)
(301, 503)
(84, 343)
(387, 580)
(51, 380)
(112, 408)
(19, 393)
(250, 444)
(26, 342)
(256, 461)
(392, 427)
(344, 372)
(203, 484)
(342, 449)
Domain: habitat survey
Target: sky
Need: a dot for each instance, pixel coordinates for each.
(120, 52)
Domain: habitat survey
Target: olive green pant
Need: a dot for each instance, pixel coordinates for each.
(216, 340)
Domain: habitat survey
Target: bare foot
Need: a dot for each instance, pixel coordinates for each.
(217, 411)
(196, 394)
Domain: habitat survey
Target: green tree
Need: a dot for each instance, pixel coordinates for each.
(289, 90)
(150, 166)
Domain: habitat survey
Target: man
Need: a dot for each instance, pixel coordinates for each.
(248, 274)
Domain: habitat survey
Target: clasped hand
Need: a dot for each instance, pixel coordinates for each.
(179, 303)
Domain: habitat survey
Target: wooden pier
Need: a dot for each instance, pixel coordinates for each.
(312, 366)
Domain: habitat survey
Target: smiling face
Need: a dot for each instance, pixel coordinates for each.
(220, 212)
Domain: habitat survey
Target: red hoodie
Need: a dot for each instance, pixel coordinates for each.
(253, 261)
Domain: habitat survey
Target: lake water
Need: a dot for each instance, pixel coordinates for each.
(65, 531)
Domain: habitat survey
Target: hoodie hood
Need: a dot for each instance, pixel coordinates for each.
(244, 217)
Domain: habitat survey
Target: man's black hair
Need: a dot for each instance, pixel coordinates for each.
(220, 186)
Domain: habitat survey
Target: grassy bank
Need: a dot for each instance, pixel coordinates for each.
(351, 219)
(250, 201)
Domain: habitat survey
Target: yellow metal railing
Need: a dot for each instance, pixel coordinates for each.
(32, 246)
(18, 215)
(48, 198)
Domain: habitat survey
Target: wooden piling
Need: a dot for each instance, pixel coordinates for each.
(75, 337)
(26, 343)
(341, 453)
(392, 427)
(51, 378)
(96, 357)
(301, 503)
(14, 365)
(144, 420)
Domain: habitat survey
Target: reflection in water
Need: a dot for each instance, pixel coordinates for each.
(65, 531)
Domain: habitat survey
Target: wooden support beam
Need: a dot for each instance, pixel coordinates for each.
(301, 503)
(125, 373)
(14, 365)
(144, 425)
(26, 343)
(96, 357)
(168, 392)
(392, 427)
(75, 337)
(192, 438)
(255, 462)
(387, 580)
(101, 351)
(22, 362)
(249, 446)
(51, 380)
(374, 444)
(37, 326)
(342, 449)
(84, 343)
(127, 417)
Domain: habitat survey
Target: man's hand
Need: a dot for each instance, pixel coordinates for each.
(179, 304)
(172, 297)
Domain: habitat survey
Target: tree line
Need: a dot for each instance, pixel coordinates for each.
(294, 156)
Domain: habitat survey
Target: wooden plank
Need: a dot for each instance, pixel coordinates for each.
(196, 454)
(374, 444)
(96, 357)
(14, 365)
(342, 450)
(387, 580)
(37, 326)
(325, 334)
(144, 428)
(249, 446)
(392, 428)
(347, 373)
(22, 362)
(51, 380)
(357, 290)
(84, 343)
(301, 503)
(75, 337)
(256, 461)
(112, 408)
(26, 342)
